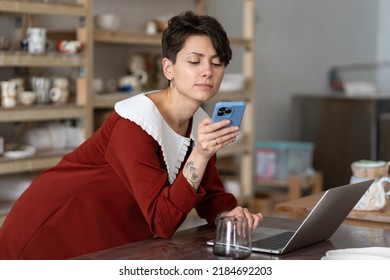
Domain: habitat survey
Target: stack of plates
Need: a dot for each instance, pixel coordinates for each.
(21, 151)
(366, 253)
(232, 82)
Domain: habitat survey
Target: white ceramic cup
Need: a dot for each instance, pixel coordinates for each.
(8, 94)
(27, 98)
(59, 95)
(375, 198)
(60, 82)
(36, 38)
(97, 85)
(5, 43)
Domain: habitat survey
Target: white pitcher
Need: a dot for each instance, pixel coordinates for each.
(376, 196)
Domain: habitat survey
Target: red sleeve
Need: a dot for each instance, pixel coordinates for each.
(216, 200)
(136, 158)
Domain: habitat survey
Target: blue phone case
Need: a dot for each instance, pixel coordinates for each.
(232, 110)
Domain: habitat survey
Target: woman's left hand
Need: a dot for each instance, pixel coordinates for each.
(214, 136)
(253, 219)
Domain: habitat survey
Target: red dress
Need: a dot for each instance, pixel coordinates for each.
(111, 190)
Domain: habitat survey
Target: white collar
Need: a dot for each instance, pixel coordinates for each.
(141, 110)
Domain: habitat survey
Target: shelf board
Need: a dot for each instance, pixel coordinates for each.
(234, 149)
(41, 160)
(52, 59)
(141, 38)
(120, 37)
(239, 42)
(41, 112)
(108, 100)
(232, 96)
(56, 9)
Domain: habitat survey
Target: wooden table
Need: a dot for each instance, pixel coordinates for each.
(300, 208)
(190, 244)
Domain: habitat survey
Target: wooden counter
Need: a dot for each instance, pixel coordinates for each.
(191, 244)
(300, 208)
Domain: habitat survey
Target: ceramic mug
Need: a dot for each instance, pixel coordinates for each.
(19, 85)
(370, 169)
(27, 98)
(375, 198)
(36, 39)
(59, 95)
(8, 94)
(5, 43)
(135, 62)
(131, 83)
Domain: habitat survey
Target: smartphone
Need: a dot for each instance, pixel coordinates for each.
(229, 110)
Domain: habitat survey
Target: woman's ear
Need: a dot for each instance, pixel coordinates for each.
(167, 67)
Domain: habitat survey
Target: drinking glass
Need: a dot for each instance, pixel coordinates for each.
(232, 239)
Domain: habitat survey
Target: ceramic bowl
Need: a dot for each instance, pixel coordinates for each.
(107, 21)
(232, 82)
(27, 98)
(369, 169)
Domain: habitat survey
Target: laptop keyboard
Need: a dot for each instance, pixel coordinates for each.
(274, 242)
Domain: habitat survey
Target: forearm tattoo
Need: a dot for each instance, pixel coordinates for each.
(192, 175)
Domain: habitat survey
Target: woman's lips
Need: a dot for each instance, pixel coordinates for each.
(205, 85)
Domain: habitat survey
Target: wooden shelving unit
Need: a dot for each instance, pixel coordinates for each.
(80, 109)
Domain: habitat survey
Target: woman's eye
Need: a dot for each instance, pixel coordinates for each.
(193, 62)
(217, 64)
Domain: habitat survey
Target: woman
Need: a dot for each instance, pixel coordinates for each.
(141, 173)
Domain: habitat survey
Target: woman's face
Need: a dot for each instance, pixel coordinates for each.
(198, 71)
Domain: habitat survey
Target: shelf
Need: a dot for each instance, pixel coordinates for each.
(22, 7)
(28, 11)
(295, 184)
(232, 96)
(41, 112)
(52, 59)
(235, 149)
(140, 38)
(108, 100)
(41, 160)
(244, 43)
(136, 38)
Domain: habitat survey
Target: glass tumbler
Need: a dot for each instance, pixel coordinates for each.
(232, 239)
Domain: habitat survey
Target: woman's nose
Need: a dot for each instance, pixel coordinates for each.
(206, 70)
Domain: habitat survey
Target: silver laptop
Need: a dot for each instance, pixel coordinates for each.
(325, 218)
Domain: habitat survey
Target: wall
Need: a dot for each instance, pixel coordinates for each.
(383, 44)
(297, 42)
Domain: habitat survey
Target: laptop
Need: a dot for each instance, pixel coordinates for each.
(323, 220)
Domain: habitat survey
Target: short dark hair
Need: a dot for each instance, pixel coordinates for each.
(186, 24)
